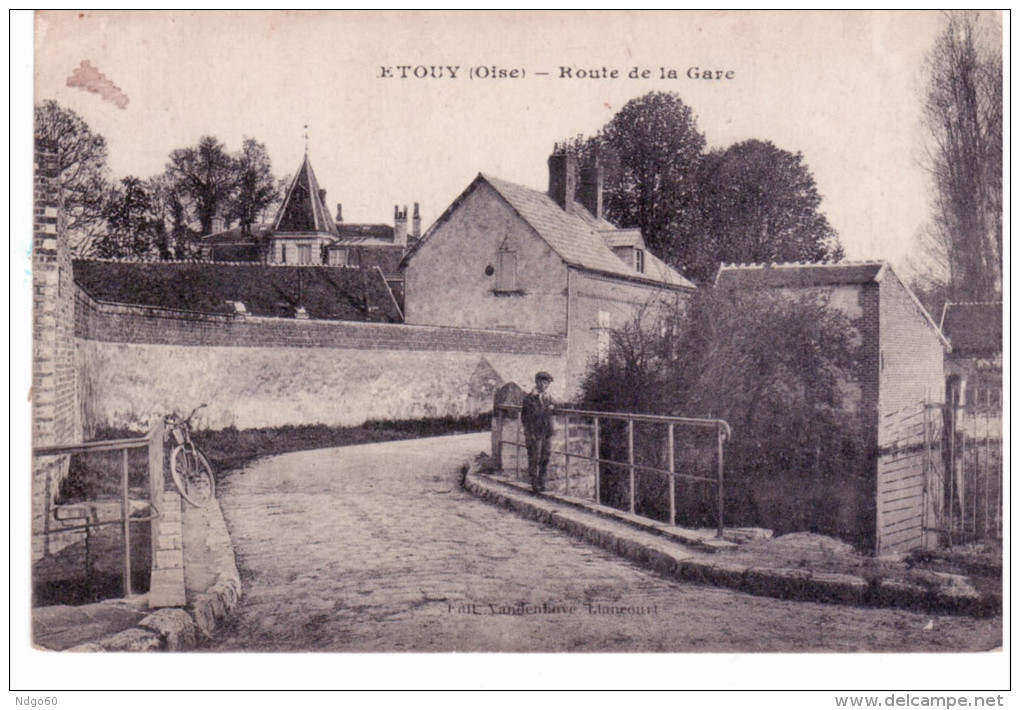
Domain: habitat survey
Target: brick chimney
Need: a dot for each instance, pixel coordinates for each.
(416, 223)
(590, 194)
(562, 165)
(339, 213)
(400, 226)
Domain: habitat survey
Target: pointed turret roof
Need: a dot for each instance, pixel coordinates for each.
(303, 210)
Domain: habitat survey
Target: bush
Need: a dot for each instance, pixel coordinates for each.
(782, 371)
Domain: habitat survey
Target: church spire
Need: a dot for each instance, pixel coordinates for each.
(304, 207)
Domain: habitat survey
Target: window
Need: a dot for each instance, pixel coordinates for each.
(338, 257)
(283, 253)
(506, 271)
(304, 253)
(639, 261)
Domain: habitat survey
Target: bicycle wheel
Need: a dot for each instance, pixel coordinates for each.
(192, 475)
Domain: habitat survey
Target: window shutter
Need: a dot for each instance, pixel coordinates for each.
(506, 271)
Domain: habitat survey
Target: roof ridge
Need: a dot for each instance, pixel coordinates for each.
(800, 264)
(973, 303)
(211, 262)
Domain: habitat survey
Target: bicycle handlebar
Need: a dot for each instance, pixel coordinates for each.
(175, 418)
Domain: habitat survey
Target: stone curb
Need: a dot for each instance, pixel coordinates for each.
(667, 556)
(180, 629)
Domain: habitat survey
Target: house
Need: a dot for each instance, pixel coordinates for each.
(241, 290)
(377, 245)
(974, 371)
(902, 361)
(304, 232)
(504, 256)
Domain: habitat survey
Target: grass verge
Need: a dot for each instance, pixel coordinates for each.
(230, 449)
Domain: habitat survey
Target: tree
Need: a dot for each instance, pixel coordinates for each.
(81, 158)
(650, 152)
(758, 203)
(255, 187)
(131, 227)
(205, 177)
(163, 201)
(963, 123)
(776, 367)
(749, 202)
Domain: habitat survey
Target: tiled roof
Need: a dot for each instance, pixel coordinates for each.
(623, 238)
(974, 329)
(386, 256)
(234, 235)
(302, 209)
(325, 292)
(660, 271)
(576, 236)
(355, 232)
(740, 276)
(235, 252)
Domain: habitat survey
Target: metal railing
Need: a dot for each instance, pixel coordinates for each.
(505, 412)
(153, 441)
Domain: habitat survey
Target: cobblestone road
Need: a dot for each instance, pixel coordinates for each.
(376, 548)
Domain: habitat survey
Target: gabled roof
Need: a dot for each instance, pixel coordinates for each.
(235, 236)
(325, 292)
(303, 210)
(576, 236)
(974, 329)
(734, 276)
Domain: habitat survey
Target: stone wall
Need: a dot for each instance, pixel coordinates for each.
(263, 372)
(578, 438)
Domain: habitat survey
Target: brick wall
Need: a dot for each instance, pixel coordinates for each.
(911, 373)
(55, 417)
(261, 372)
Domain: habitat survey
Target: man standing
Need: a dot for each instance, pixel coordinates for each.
(536, 416)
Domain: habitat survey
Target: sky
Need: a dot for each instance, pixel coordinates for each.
(843, 88)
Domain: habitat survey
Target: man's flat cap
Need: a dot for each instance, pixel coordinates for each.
(543, 376)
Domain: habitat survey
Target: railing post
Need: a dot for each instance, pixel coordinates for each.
(156, 482)
(517, 447)
(974, 491)
(719, 452)
(598, 468)
(566, 455)
(497, 455)
(630, 460)
(672, 476)
(125, 517)
(952, 462)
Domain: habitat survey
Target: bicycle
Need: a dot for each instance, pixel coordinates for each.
(189, 467)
